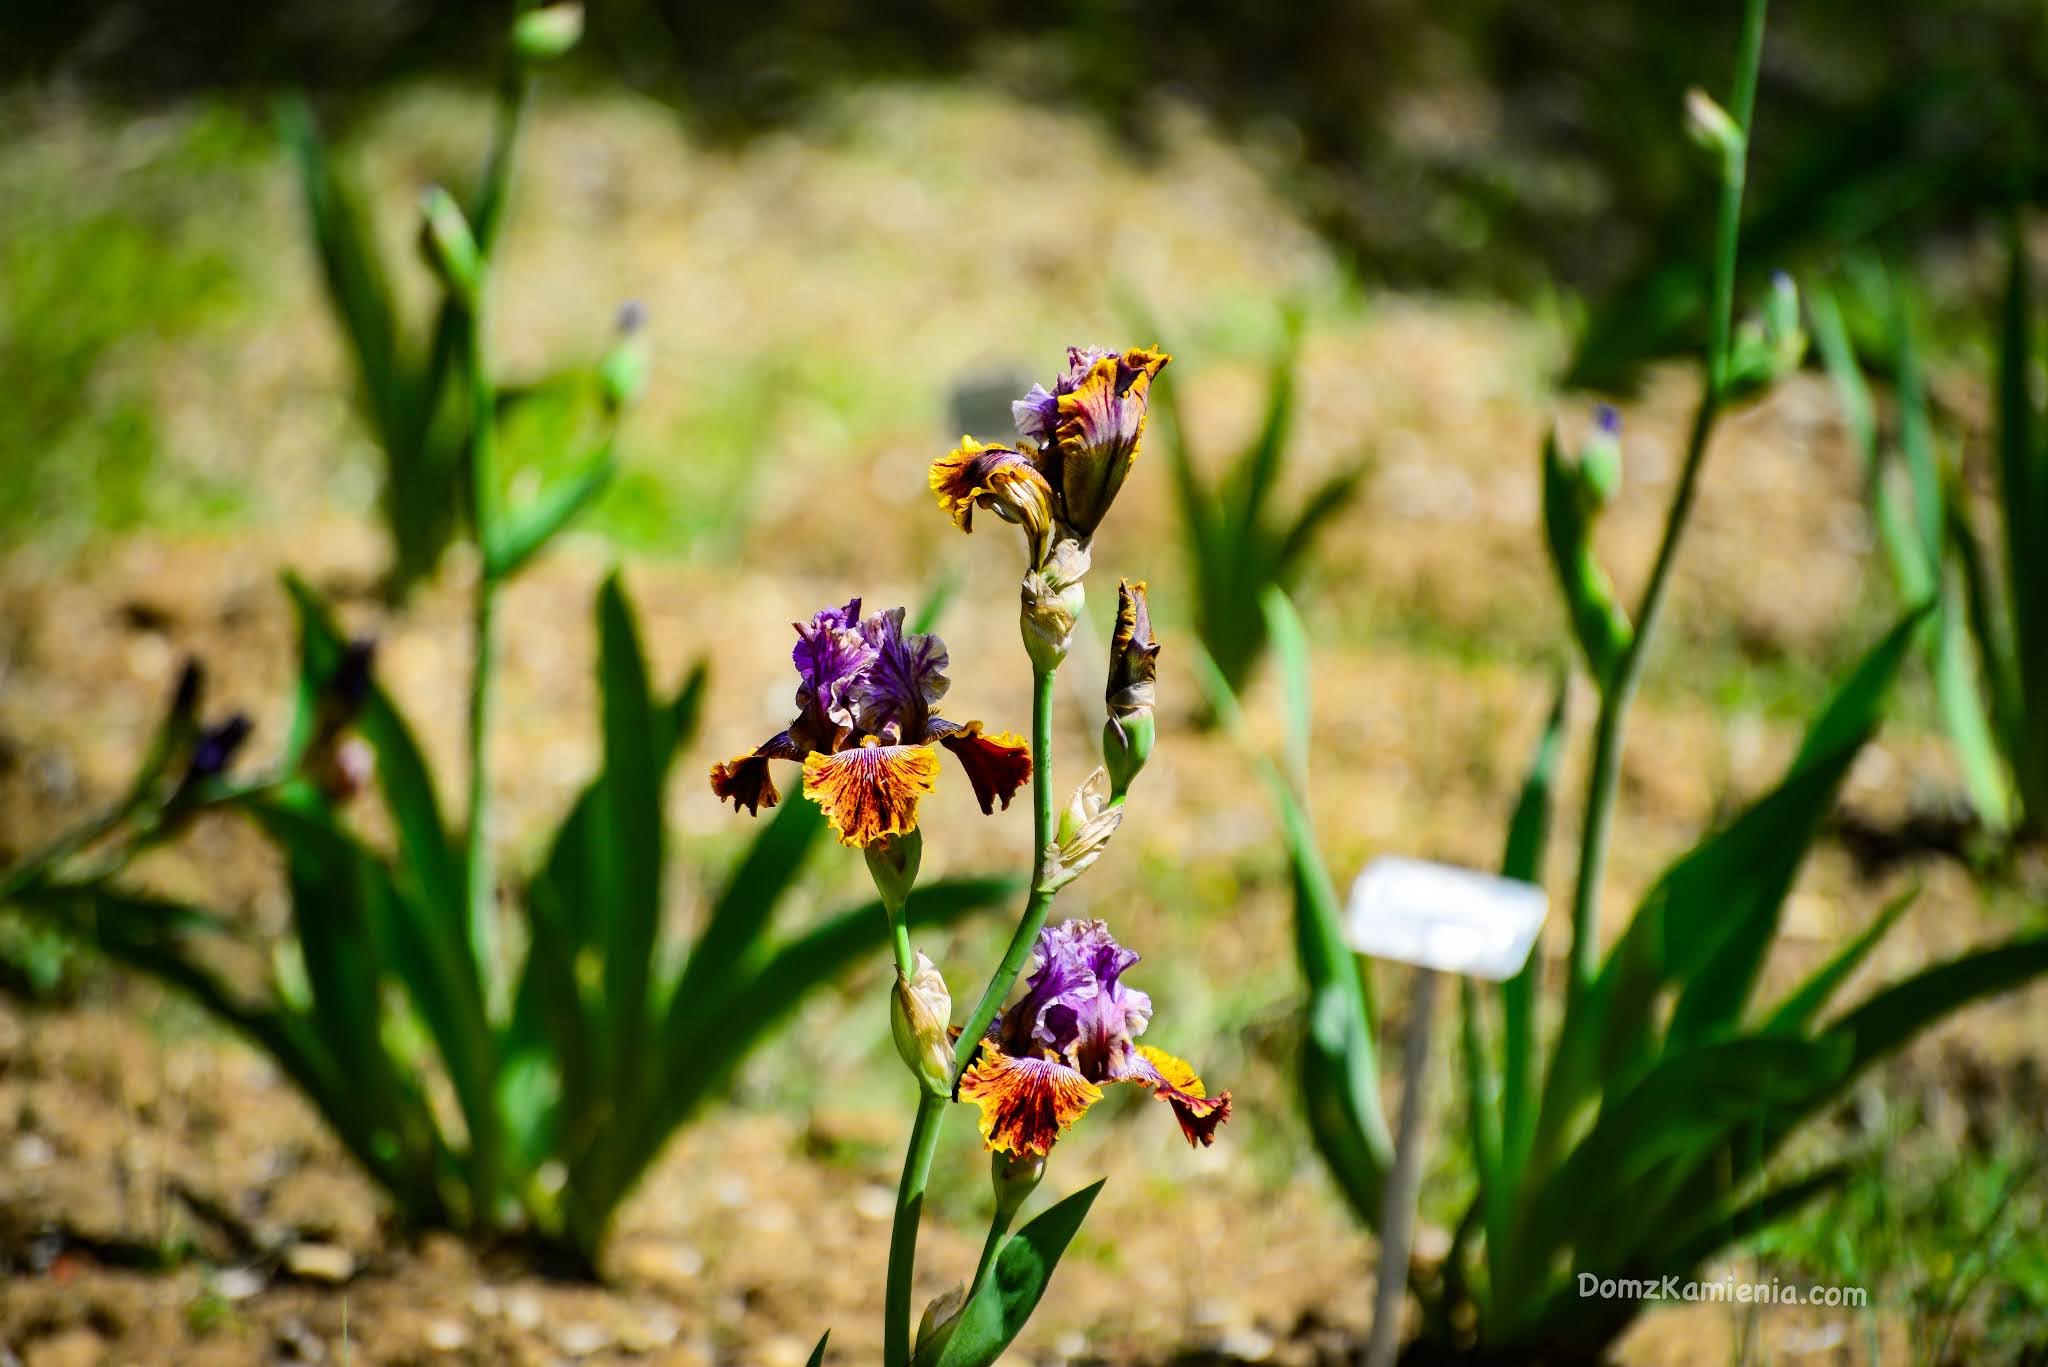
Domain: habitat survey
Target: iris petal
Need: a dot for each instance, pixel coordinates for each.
(745, 778)
(996, 477)
(1100, 425)
(996, 765)
(871, 792)
(906, 676)
(1173, 1081)
(1025, 1103)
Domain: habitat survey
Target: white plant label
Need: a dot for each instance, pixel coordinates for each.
(1443, 917)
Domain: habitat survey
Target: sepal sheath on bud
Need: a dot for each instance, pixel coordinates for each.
(936, 1326)
(1090, 819)
(920, 1013)
(1053, 599)
(1710, 126)
(1014, 1176)
(892, 862)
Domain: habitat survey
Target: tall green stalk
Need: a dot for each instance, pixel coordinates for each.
(1618, 690)
(480, 873)
(931, 1110)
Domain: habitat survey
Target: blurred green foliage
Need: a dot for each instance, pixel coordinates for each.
(566, 1060)
(100, 263)
(1987, 646)
(1957, 1236)
(1235, 546)
(1482, 144)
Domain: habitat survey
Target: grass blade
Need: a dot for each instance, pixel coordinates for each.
(741, 915)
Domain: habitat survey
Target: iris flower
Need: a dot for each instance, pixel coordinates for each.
(1045, 1059)
(865, 731)
(1077, 442)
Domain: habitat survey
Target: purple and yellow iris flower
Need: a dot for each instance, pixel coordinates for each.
(1077, 442)
(865, 731)
(1046, 1059)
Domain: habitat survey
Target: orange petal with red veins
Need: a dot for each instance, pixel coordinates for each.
(1026, 1103)
(871, 793)
(1200, 1114)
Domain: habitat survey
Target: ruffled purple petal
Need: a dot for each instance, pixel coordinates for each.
(905, 676)
(1036, 415)
(831, 658)
(1074, 1004)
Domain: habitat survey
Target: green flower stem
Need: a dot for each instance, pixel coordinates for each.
(480, 885)
(924, 1132)
(998, 1232)
(917, 1171)
(1040, 902)
(899, 930)
(1618, 690)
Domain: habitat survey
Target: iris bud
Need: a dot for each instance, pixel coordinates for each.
(341, 765)
(543, 34)
(185, 697)
(451, 247)
(1132, 691)
(920, 1013)
(1600, 458)
(622, 375)
(216, 748)
(1710, 125)
(1768, 348)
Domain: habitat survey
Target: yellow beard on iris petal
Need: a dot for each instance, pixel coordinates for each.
(871, 793)
(1026, 1104)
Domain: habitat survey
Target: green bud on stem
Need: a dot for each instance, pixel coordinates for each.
(622, 374)
(450, 246)
(548, 32)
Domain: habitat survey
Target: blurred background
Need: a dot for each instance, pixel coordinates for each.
(856, 233)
